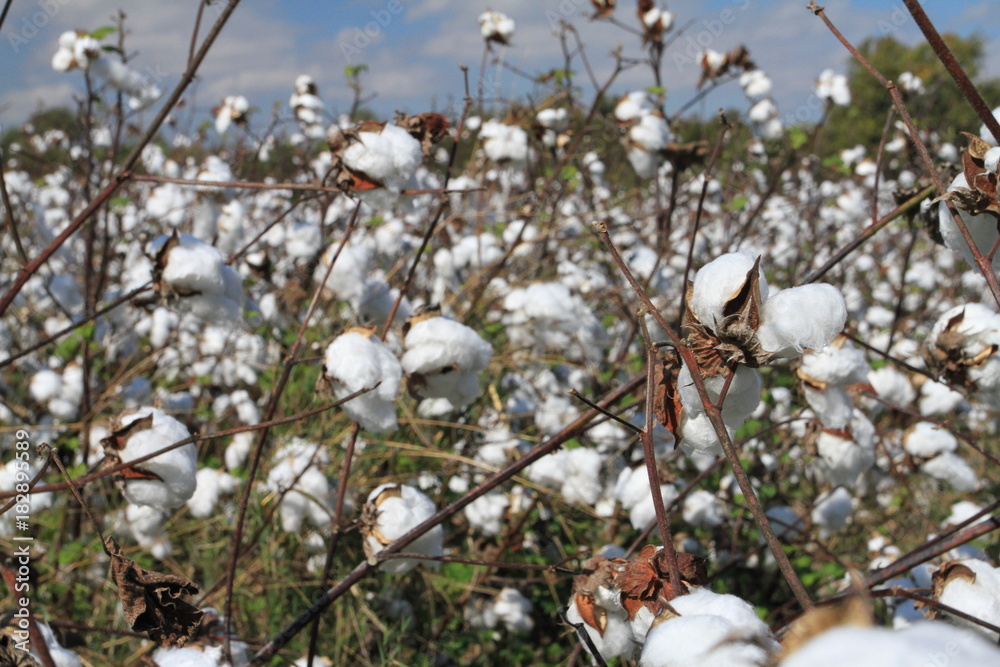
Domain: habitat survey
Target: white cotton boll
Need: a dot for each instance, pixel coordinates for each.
(486, 513)
(176, 469)
(146, 526)
(238, 450)
(799, 318)
(212, 484)
(45, 385)
(354, 362)
(755, 83)
(833, 87)
(61, 657)
(643, 162)
(553, 119)
(712, 61)
(925, 643)
(390, 157)
(982, 228)
(303, 240)
(449, 356)
(203, 656)
(643, 513)
(197, 273)
(703, 509)
(700, 438)
(497, 27)
(951, 468)
(719, 281)
(742, 397)
(842, 461)
(962, 511)
(633, 105)
(513, 610)
(396, 509)
(832, 511)
(699, 640)
(925, 440)
(938, 399)
(739, 612)
(347, 277)
(505, 143)
(843, 365)
(616, 640)
(984, 132)
(892, 386)
(651, 133)
(762, 111)
(581, 479)
(979, 598)
(832, 407)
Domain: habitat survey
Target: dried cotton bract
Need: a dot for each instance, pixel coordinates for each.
(356, 361)
(392, 511)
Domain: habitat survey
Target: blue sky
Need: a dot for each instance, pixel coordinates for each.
(414, 48)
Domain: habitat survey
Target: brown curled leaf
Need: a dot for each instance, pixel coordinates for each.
(154, 603)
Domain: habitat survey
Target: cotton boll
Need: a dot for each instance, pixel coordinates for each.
(843, 460)
(937, 398)
(486, 513)
(448, 358)
(785, 522)
(347, 277)
(212, 484)
(832, 407)
(354, 362)
(925, 440)
(238, 450)
(808, 316)
(390, 157)
(832, 511)
(962, 511)
(176, 468)
(496, 27)
(392, 510)
(892, 386)
(633, 105)
(616, 640)
(979, 598)
(719, 281)
(195, 272)
(742, 397)
(739, 612)
(835, 364)
(702, 640)
(951, 468)
(651, 133)
(45, 385)
(505, 144)
(513, 610)
(924, 643)
(146, 525)
(982, 228)
(700, 438)
(755, 83)
(703, 509)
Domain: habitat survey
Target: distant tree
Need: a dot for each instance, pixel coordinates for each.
(941, 107)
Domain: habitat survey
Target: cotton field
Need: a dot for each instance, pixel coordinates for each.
(579, 377)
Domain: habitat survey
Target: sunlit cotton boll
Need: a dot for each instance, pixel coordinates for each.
(355, 361)
(196, 273)
(176, 468)
(833, 87)
(505, 144)
(799, 318)
(832, 511)
(392, 510)
(719, 281)
(212, 484)
(616, 641)
(513, 610)
(496, 27)
(486, 513)
(444, 358)
(390, 157)
(979, 598)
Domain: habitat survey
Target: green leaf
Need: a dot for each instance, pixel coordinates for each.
(111, 49)
(568, 172)
(738, 203)
(656, 90)
(103, 32)
(798, 137)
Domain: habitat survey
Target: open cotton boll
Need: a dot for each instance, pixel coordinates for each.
(633, 105)
(719, 281)
(390, 157)
(982, 228)
(924, 643)
(832, 511)
(496, 27)
(739, 612)
(448, 356)
(892, 386)
(979, 598)
(486, 513)
(951, 468)
(937, 398)
(925, 440)
(755, 83)
(842, 460)
(651, 133)
(392, 510)
(505, 143)
(176, 469)
(354, 362)
(202, 656)
(212, 484)
(835, 364)
(799, 318)
(699, 436)
(196, 273)
(45, 385)
(702, 509)
(742, 397)
(146, 525)
(513, 610)
(616, 640)
(832, 407)
(347, 277)
(700, 641)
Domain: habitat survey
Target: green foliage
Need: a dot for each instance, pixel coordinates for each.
(940, 108)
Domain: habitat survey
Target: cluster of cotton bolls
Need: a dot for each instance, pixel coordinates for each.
(763, 112)
(308, 109)
(551, 316)
(80, 50)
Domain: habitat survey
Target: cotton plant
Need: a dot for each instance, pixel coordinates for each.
(733, 319)
(443, 359)
(193, 277)
(574, 473)
(391, 511)
(496, 27)
(509, 608)
(963, 346)
(358, 360)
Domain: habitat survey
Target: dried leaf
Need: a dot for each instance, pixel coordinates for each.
(154, 603)
(977, 148)
(427, 128)
(592, 613)
(645, 580)
(667, 404)
(604, 8)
